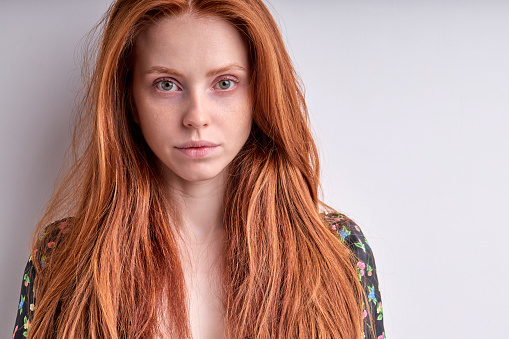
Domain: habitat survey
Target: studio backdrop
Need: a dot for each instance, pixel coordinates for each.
(409, 103)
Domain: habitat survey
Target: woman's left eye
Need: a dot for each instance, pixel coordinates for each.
(225, 84)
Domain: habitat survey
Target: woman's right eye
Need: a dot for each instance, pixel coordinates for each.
(166, 86)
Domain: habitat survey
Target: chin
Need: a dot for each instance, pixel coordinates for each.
(197, 175)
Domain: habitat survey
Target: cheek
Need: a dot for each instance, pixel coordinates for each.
(155, 124)
(150, 114)
(146, 111)
(246, 122)
(243, 117)
(240, 123)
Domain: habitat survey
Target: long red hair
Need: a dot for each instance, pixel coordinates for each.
(285, 273)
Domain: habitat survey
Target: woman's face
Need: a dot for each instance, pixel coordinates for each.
(191, 95)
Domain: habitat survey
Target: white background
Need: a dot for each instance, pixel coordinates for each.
(409, 103)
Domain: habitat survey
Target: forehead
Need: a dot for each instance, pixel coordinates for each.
(187, 39)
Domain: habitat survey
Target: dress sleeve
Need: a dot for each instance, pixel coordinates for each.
(48, 239)
(26, 303)
(351, 235)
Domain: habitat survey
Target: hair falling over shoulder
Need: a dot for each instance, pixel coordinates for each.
(285, 275)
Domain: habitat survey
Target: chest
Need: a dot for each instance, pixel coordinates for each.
(201, 266)
(206, 309)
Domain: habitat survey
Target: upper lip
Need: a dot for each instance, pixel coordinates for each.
(196, 144)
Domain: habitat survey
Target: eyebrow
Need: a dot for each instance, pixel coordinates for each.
(161, 69)
(223, 69)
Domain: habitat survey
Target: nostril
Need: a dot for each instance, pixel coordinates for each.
(196, 114)
(195, 120)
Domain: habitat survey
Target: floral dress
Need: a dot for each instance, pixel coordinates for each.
(347, 231)
(351, 235)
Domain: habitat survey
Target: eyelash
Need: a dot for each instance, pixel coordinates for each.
(158, 83)
(227, 78)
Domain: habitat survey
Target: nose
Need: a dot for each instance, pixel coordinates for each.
(196, 114)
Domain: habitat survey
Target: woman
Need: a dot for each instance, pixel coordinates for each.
(195, 195)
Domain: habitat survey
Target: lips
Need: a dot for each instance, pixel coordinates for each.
(197, 149)
(197, 144)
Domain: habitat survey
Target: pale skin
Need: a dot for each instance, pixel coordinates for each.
(192, 97)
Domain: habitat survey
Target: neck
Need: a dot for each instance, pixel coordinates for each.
(201, 208)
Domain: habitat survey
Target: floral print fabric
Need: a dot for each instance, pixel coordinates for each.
(357, 244)
(26, 303)
(347, 231)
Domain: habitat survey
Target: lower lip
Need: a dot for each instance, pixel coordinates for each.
(197, 152)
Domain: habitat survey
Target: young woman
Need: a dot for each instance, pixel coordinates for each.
(194, 193)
